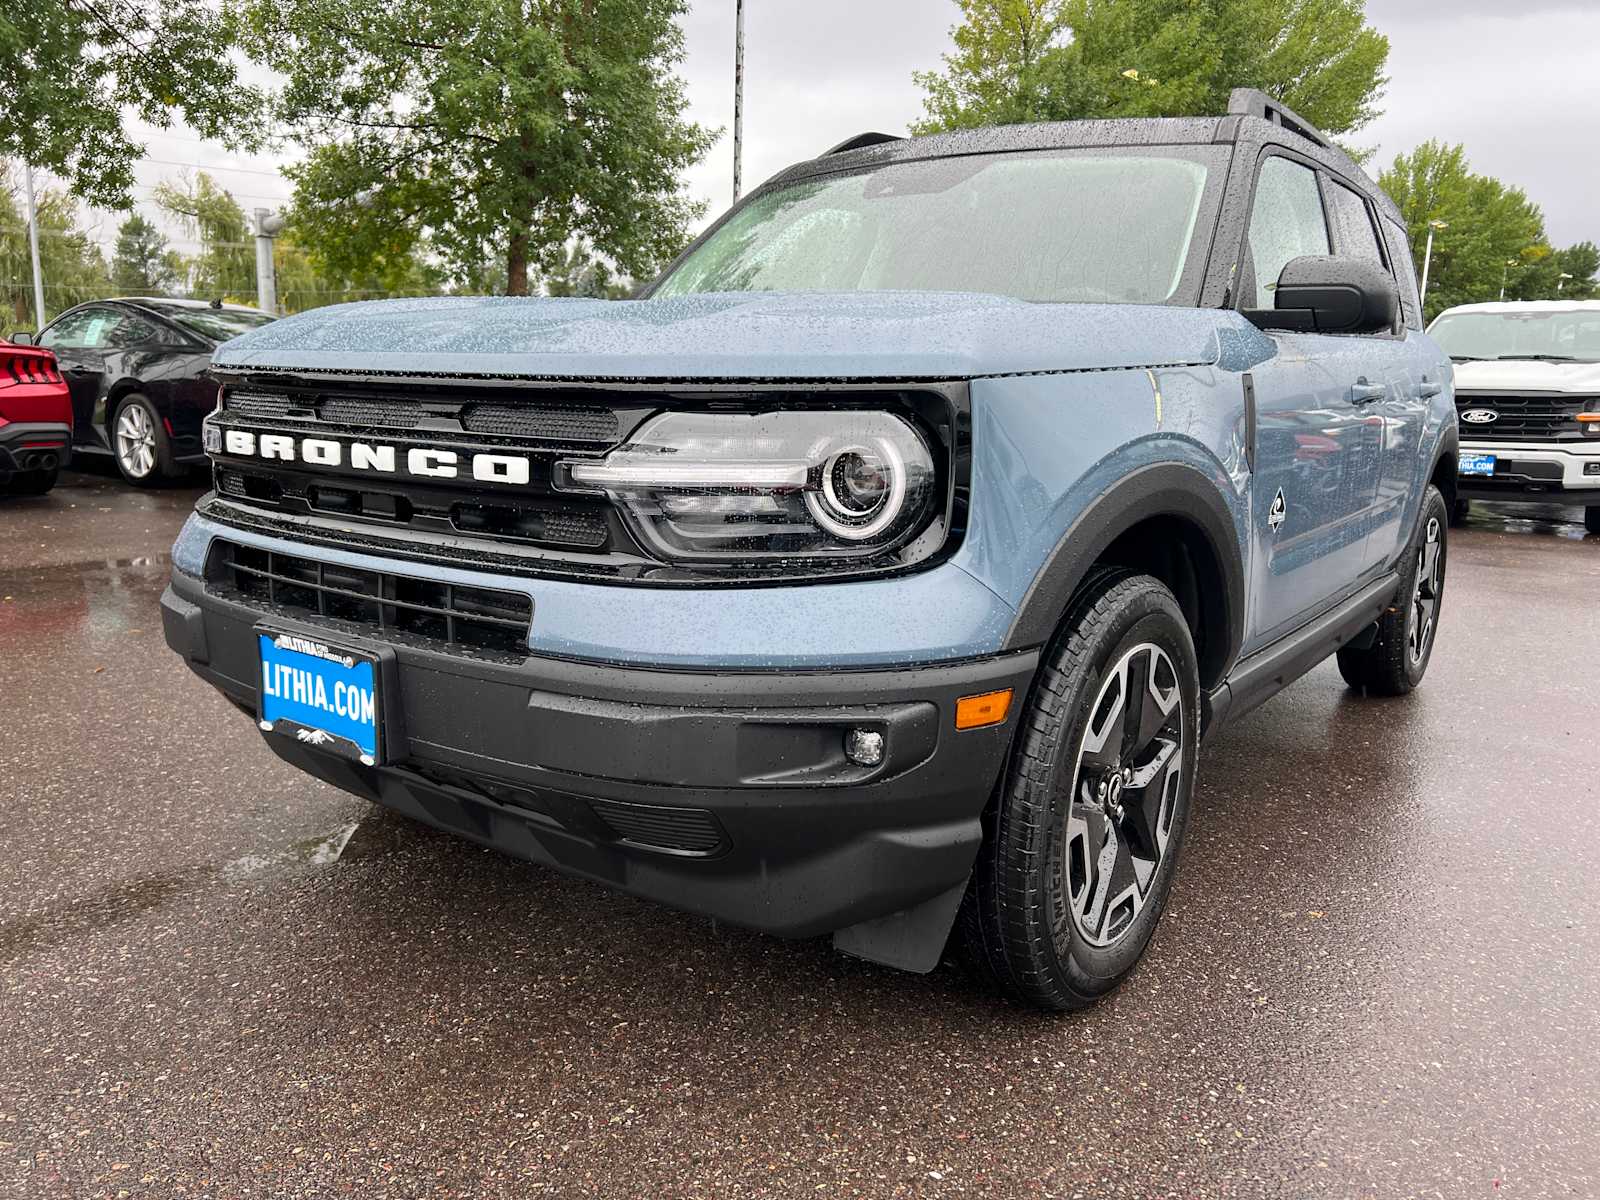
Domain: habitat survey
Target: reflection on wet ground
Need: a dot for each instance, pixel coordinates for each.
(1378, 976)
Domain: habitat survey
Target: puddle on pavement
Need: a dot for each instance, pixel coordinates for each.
(321, 851)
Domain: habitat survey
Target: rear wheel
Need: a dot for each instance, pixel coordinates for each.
(1591, 519)
(1082, 839)
(1459, 511)
(140, 444)
(1398, 657)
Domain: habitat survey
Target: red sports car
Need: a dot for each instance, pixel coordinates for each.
(35, 420)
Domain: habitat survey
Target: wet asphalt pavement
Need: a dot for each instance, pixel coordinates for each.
(1379, 976)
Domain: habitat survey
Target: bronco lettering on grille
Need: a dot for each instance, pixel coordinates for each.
(513, 470)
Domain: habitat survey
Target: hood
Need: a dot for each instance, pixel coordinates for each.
(747, 335)
(1521, 375)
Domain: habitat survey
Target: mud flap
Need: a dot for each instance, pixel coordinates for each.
(912, 939)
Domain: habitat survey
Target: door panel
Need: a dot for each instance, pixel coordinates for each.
(1318, 445)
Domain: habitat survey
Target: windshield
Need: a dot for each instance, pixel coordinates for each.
(1091, 225)
(1567, 335)
(219, 324)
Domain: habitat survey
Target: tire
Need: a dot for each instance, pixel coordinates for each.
(139, 443)
(31, 483)
(1056, 913)
(1398, 657)
(1591, 519)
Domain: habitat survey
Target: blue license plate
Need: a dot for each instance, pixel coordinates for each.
(1476, 464)
(322, 695)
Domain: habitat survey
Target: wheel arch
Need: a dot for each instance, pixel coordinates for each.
(1167, 520)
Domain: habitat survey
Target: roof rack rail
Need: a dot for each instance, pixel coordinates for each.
(861, 141)
(1251, 102)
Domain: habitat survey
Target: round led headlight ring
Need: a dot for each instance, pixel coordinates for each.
(863, 491)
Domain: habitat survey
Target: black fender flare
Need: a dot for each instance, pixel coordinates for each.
(1165, 490)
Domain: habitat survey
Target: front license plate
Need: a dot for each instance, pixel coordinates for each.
(325, 696)
(1476, 464)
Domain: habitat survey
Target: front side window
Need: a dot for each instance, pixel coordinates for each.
(1286, 223)
(1571, 335)
(87, 329)
(1097, 226)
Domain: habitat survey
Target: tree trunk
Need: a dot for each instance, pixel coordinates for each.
(517, 266)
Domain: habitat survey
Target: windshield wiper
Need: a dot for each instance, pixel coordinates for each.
(1536, 358)
(1467, 358)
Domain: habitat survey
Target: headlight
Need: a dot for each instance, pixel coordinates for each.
(731, 487)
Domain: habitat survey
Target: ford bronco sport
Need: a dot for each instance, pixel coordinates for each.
(1528, 394)
(881, 569)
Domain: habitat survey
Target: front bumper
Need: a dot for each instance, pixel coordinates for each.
(722, 793)
(1532, 470)
(34, 445)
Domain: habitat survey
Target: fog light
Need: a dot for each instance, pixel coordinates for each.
(864, 747)
(1591, 468)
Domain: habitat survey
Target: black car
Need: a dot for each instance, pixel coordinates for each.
(137, 371)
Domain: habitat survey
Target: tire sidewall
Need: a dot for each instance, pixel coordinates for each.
(161, 468)
(1152, 616)
(1433, 507)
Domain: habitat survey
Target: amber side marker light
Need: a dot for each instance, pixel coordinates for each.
(977, 712)
(1588, 418)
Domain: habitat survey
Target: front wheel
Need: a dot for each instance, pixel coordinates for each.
(1082, 838)
(140, 443)
(1591, 519)
(1397, 658)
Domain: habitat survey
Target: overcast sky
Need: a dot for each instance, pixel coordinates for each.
(1516, 82)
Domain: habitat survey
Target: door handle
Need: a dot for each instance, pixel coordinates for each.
(1366, 393)
(1428, 389)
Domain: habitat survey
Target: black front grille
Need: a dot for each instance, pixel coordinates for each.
(260, 405)
(681, 830)
(383, 413)
(545, 424)
(442, 614)
(1533, 417)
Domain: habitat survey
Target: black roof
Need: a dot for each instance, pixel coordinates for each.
(1253, 117)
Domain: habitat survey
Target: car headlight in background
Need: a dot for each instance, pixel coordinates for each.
(802, 483)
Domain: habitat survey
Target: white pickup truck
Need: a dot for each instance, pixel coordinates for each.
(1528, 396)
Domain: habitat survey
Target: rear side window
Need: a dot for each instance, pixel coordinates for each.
(1286, 222)
(1400, 253)
(83, 330)
(1353, 230)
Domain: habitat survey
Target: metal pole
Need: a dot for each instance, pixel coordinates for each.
(266, 274)
(1427, 261)
(33, 248)
(738, 100)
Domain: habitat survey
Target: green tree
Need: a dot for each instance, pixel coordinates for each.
(580, 273)
(143, 264)
(306, 281)
(1582, 262)
(224, 267)
(73, 268)
(1494, 237)
(71, 70)
(1057, 60)
(495, 128)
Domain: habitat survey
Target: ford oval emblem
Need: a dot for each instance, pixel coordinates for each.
(1480, 416)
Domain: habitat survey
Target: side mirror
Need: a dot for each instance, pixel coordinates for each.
(23, 338)
(1332, 294)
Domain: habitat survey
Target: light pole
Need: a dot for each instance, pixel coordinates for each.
(1427, 257)
(1504, 271)
(33, 248)
(1561, 281)
(268, 226)
(738, 99)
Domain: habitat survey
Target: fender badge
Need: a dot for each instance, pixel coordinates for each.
(1278, 513)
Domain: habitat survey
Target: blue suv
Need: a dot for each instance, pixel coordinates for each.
(878, 573)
